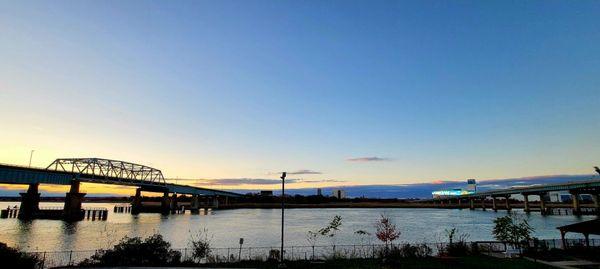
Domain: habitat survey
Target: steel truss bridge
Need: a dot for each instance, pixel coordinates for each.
(101, 171)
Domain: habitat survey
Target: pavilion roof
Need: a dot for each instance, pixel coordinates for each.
(584, 227)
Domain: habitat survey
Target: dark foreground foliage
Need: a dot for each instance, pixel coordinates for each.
(13, 258)
(470, 262)
(151, 251)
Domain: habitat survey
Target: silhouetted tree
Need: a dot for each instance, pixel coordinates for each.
(386, 230)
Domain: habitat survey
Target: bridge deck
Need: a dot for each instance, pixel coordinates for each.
(12, 174)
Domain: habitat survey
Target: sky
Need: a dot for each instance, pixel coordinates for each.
(228, 94)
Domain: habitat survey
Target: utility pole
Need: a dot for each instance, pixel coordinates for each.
(30, 157)
(281, 264)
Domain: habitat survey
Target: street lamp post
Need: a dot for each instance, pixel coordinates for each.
(282, 265)
(30, 157)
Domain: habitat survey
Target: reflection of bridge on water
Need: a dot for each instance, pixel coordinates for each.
(103, 171)
(491, 199)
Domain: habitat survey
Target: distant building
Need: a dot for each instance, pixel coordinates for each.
(339, 193)
(319, 192)
(471, 188)
(266, 193)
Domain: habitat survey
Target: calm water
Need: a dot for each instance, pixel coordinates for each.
(258, 227)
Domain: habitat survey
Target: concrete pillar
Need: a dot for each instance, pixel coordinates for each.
(216, 205)
(507, 198)
(460, 203)
(494, 206)
(471, 203)
(136, 204)
(526, 203)
(596, 198)
(30, 202)
(195, 204)
(576, 205)
(483, 203)
(226, 200)
(72, 210)
(165, 204)
(543, 203)
(174, 203)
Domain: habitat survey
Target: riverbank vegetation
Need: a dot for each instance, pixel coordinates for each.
(14, 258)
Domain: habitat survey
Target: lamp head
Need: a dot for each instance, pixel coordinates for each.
(283, 175)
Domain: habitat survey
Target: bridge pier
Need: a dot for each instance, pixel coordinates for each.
(459, 203)
(483, 203)
(195, 204)
(165, 204)
(596, 198)
(174, 203)
(576, 205)
(543, 203)
(471, 203)
(136, 204)
(494, 206)
(526, 203)
(72, 209)
(30, 202)
(507, 200)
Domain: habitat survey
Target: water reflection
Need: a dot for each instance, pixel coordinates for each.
(260, 227)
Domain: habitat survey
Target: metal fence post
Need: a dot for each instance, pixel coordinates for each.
(70, 256)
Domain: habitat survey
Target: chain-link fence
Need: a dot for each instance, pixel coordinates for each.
(245, 253)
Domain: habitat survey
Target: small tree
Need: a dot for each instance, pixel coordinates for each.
(200, 244)
(386, 230)
(332, 228)
(509, 230)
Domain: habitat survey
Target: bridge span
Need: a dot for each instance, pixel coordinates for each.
(73, 171)
(483, 199)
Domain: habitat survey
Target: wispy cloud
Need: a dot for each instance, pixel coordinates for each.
(368, 159)
(323, 181)
(242, 181)
(305, 172)
(251, 181)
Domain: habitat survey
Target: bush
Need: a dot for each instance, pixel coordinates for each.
(152, 251)
(13, 258)
(458, 249)
(405, 251)
(200, 244)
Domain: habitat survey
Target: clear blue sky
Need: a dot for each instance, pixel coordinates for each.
(428, 90)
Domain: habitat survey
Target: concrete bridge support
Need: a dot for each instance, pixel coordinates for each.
(543, 203)
(174, 206)
(459, 203)
(471, 203)
(30, 202)
(136, 204)
(165, 204)
(507, 200)
(483, 203)
(216, 202)
(576, 204)
(195, 204)
(494, 206)
(596, 198)
(526, 203)
(72, 210)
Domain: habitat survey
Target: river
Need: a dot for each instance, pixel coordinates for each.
(261, 227)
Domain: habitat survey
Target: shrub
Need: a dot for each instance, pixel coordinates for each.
(386, 230)
(200, 244)
(151, 251)
(13, 258)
